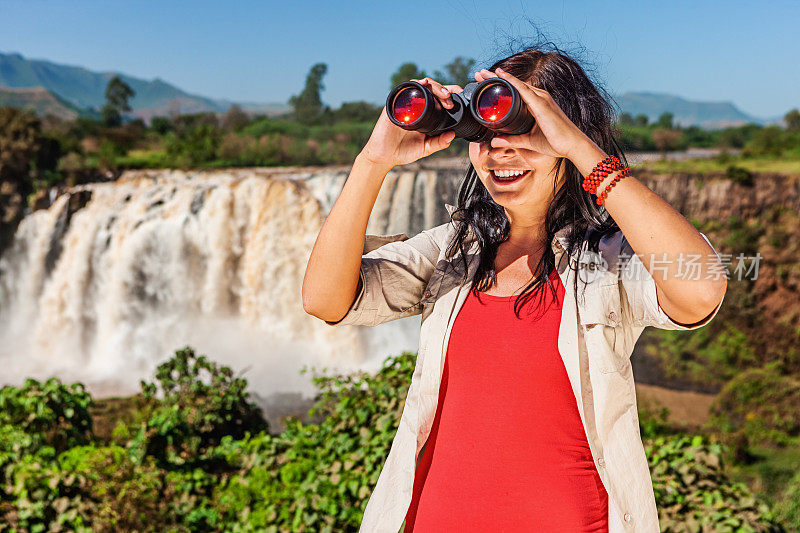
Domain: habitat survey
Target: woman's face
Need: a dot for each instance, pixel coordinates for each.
(527, 192)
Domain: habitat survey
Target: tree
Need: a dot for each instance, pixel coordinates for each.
(458, 72)
(26, 156)
(20, 141)
(666, 139)
(626, 119)
(641, 120)
(234, 118)
(792, 119)
(665, 121)
(117, 95)
(359, 111)
(406, 72)
(160, 125)
(308, 104)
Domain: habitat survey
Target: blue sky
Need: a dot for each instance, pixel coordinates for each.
(742, 52)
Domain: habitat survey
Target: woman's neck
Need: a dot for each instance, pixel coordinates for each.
(527, 234)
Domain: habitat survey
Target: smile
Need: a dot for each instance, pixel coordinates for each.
(507, 176)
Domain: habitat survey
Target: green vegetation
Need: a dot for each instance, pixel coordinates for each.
(694, 493)
(704, 356)
(195, 404)
(720, 165)
(761, 404)
(308, 104)
(86, 148)
(118, 93)
(193, 454)
(407, 71)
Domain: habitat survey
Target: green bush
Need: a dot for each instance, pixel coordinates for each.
(743, 236)
(198, 403)
(706, 355)
(194, 146)
(101, 489)
(318, 477)
(693, 492)
(212, 465)
(739, 175)
(763, 404)
(49, 412)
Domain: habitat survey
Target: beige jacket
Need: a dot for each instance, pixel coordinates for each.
(404, 276)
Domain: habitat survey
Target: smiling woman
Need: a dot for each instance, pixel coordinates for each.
(516, 422)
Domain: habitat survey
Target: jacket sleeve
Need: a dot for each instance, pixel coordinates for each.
(639, 295)
(395, 270)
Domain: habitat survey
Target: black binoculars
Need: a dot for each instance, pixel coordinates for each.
(482, 110)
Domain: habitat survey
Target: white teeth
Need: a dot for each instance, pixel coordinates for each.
(508, 173)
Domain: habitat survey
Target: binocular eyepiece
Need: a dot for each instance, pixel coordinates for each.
(482, 110)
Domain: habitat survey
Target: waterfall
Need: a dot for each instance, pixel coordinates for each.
(103, 292)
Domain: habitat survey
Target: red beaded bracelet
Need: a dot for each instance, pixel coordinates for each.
(600, 172)
(622, 173)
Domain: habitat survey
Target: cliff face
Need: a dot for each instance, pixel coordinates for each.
(760, 317)
(714, 196)
(110, 277)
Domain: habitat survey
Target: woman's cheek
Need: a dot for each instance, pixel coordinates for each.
(474, 153)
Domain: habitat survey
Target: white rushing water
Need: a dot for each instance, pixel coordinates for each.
(215, 260)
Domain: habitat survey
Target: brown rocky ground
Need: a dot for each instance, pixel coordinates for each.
(686, 408)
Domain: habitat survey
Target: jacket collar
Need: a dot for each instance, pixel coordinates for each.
(558, 244)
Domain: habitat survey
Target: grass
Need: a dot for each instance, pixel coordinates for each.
(704, 166)
(770, 472)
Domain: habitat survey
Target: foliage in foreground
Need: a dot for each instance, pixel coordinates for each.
(312, 477)
(694, 493)
(761, 404)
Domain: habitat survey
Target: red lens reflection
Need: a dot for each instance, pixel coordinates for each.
(408, 105)
(494, 102)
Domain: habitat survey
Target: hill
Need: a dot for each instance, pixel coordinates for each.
(40, 101)
(705, 114)
(86, 89)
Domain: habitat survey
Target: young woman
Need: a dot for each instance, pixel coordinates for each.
(521, 413)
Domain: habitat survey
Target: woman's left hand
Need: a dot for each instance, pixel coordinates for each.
(553, 134)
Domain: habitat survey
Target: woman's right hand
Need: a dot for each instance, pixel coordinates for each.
(390, 145)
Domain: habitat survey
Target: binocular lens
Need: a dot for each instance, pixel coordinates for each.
(408, 105)
(494, 102)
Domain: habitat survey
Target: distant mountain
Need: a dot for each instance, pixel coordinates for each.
(686, 112)
(41, 101)
(86, 89)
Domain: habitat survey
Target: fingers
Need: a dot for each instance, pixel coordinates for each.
(484, 74)
(439, 90)
(439, 142)
(520, 85)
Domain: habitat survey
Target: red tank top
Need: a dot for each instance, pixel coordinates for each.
(507, 449)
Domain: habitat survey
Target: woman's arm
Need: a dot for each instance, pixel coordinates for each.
(331, 278)
(654, 228)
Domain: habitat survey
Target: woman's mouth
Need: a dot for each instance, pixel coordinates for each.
(507, 176)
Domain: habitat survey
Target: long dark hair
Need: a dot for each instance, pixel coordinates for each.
(588, 106)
